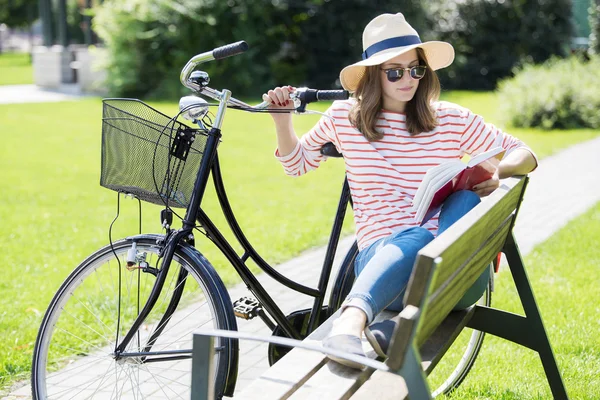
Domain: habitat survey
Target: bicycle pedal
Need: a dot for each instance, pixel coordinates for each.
(246, 308)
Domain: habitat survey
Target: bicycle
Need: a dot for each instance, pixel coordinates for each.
(116, 311)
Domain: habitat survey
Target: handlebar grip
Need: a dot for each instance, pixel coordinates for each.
(333, 95)
(230, 50)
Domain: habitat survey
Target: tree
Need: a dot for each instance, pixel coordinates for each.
(296, 42)
(19, 13)
(595, 26)
(491, 37)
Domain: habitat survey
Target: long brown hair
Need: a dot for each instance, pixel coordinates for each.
(420, 115)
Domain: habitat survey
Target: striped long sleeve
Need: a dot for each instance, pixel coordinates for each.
(384, 175)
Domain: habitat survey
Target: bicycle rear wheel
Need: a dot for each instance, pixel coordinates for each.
(95, 307)
(457, 361)
(454, 367)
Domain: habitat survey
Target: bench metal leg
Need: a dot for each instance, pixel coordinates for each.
(413, 375)
(532, 312)
(530, 331)
(203, 355)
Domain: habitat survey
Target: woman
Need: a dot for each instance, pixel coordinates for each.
(391, 132)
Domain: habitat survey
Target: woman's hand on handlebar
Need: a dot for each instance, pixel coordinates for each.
(280, 100)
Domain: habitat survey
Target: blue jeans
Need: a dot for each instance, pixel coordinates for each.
(384, 267)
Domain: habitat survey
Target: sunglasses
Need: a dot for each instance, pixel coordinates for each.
(395, 74)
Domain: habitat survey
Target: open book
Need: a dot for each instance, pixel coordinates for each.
(451, 176)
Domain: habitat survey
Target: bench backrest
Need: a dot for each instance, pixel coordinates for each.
(448, 266)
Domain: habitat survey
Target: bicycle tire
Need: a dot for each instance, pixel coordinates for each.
(72, 355)
(341, 287)
(474, 341)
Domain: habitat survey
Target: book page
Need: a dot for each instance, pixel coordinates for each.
(447, 175)
(496, 152)
(431, 175)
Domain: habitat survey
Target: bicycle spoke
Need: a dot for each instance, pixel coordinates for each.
(81, 332)
(162, 387)
(93, 346)
(181, 337)
(86, 325)
(172, 326)
(104, 376)
(70, 388)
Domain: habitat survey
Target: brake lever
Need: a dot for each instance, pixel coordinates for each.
(299, 105)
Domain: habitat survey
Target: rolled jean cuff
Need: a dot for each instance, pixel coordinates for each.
(361, 303)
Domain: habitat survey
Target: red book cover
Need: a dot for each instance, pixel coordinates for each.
(438, 200)
(479, 169)
(471, 176)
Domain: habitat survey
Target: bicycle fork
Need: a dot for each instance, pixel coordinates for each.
(161, 276)
(172, 240)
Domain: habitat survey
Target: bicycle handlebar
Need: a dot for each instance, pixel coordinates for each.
(304, 96)
(230, 50)
(301, 96)
(215, 54)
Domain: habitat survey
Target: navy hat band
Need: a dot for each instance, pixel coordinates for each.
(390, 43)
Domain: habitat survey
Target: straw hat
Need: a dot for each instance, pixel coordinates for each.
(388, 36)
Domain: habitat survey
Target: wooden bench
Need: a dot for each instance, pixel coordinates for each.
(444, 270)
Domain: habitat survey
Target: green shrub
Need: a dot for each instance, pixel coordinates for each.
(594, 18)
(491, 37)
(559, 94)
(297, 42)
(149, 42)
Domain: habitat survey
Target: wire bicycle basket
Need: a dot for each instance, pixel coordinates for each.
(149, 154)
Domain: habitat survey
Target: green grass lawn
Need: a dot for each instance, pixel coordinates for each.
(54, 212)
(544, 143)
(15, 69)
(564, 273)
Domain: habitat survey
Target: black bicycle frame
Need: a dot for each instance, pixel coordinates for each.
(249, 278)
(210, 163)
(189, 222)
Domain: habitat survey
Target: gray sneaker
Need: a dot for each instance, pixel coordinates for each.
(379, 335)
(348, 344)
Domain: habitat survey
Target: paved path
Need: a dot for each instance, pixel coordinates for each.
(563, 187)
(34, 94)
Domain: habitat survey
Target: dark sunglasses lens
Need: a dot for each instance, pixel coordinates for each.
(394, 75)
(417, 72)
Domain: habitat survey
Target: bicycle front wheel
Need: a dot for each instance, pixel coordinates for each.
(74, 356)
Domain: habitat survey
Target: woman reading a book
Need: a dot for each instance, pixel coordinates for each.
(390, 133)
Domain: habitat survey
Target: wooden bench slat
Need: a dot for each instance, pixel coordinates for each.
(443, 337)
(333, 382)
(443, 272)
(296, 367)
(473, 229)
(508, 187)
(442, 302)
(382, 385)
(273, 384)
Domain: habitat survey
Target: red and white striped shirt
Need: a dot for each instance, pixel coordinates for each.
(384, 175)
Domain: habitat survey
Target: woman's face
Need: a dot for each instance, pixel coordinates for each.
(397, 94)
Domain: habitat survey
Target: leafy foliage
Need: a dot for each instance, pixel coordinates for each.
(331, 33)
(595, 26)
(307, 42)
(291, 41)
(559, 94)
(18, 13)
(491, 37)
